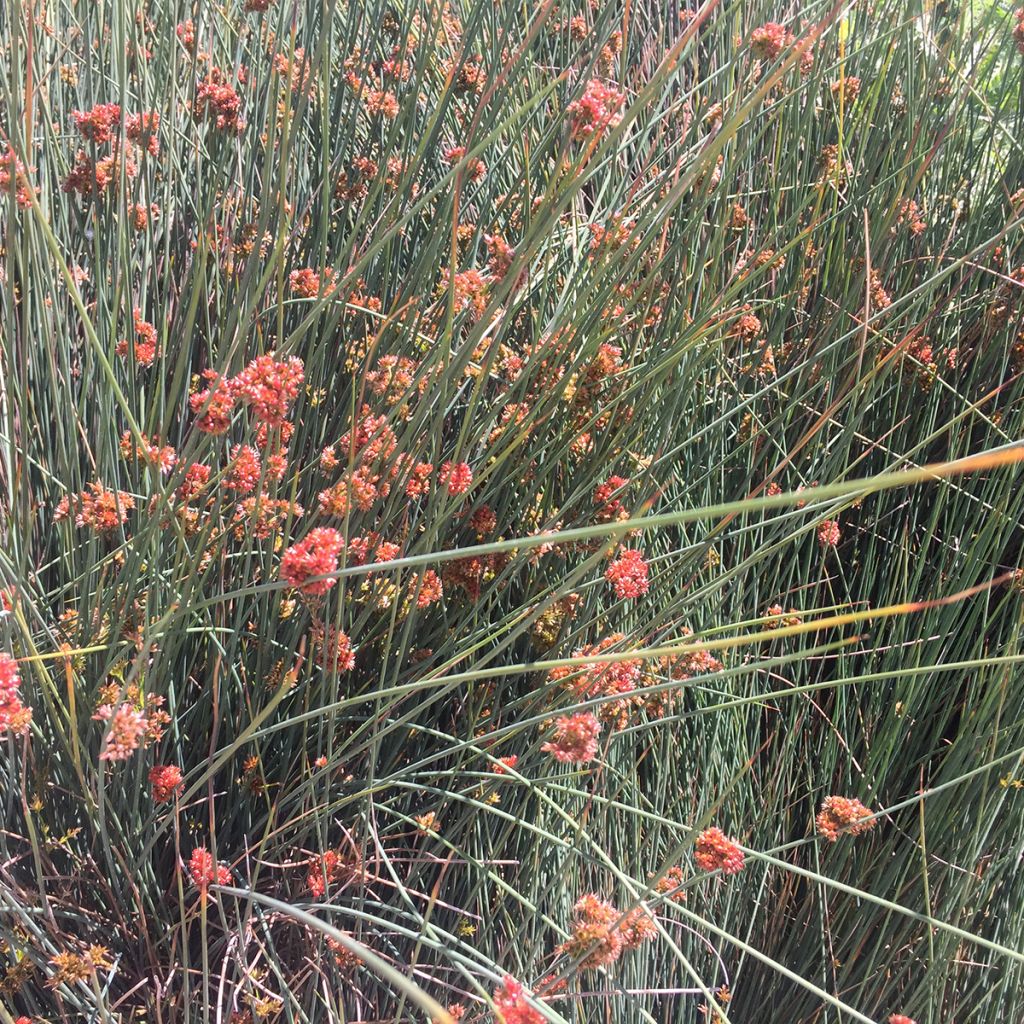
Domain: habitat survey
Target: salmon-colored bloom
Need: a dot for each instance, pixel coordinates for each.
(213, 404)
(205, 870)
(840, 814)
(98, 125)
(714, 851)
(595, 941)
(628, 574)
(769, 40)
(575, 738)
(596, 110)
(456, 476)
(315, 555)
(14, 716)
(511, 1002)
(167, 782)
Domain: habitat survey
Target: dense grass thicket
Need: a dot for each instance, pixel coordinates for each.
(511, 511)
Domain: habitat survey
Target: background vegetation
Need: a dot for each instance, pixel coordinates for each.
(758, 295)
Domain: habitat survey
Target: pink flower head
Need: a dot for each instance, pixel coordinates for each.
(205, 870)
(14, 716)
(596, 110)
(457, 476)
(269, 387)
(128, 728)
(628, 574)
(167, 782)
(575, 739)
(768, 41)
(213, 404)
(142, 130)
(840, 814)
(714, 851)
(513, 1006)
(829, 533)
(898, 1018)
(98, 125)
(315, 555)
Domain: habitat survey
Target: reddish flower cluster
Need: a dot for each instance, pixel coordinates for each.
(308, 283)
(599, 936)
(334, 868)
(269, 387)
(595, 941)
(128, 728)
(596, 110)
(610, 509)
(840, 815)
(205, 871)
(899, 1018)
(670, 885)
(1018, 29)
(430, 586)
(150, 451)
(217, 102)
(96, 507)
(512, 1004)
(769, 40)
(336, 652)
(142, 129)
(714, 851)
(829, 533)
(99, 124)
(14, 716)
(628, 574)
(13, 176)
(167, 782)
(601, 678)
(315, 555)
(456, 476)
(575, 738)
(213, 404)
(144, 345)
(469, 292)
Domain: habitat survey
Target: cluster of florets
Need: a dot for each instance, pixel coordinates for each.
(269, 386)
(308, 283)
(601, 933)
(314, 556)
(96, 508)
(138, 721)
(513, 1006)
(332, 868)
(101, 126)
(628, 574)
(714, 851)
(143, 346)
(840, 815)
(769, 40)
(14, 716)
(218, 103)
(829, 533)
(14, 176)
(335, 650)
(575, 738)
(148, 451)
(167, 782)
(609, 506)
(597, 110)
(469, 290)
(205, 871)
(1018, 29)
(603, 678)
